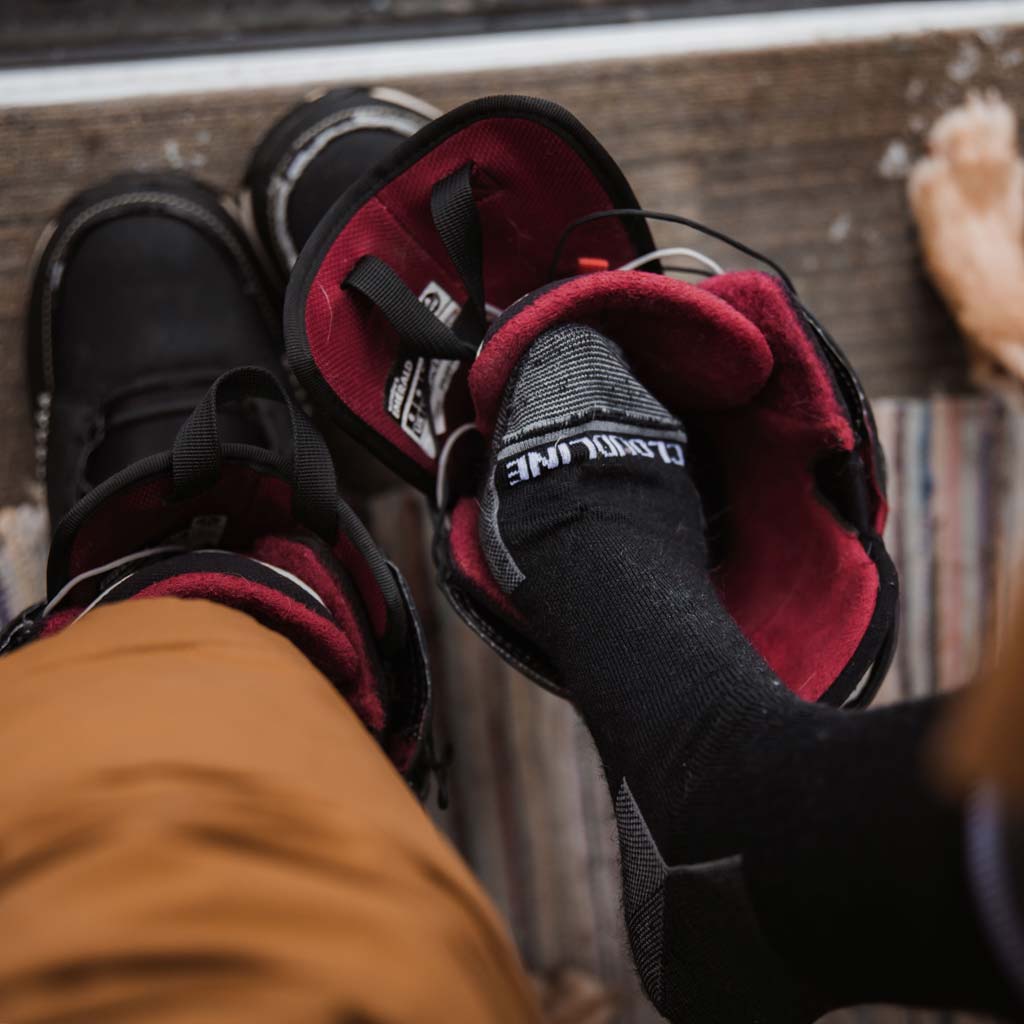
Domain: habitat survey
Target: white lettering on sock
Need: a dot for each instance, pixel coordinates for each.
(584, 448)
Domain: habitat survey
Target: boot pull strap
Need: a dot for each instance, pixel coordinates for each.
(457, 220)
(421, 332)
(198, 454)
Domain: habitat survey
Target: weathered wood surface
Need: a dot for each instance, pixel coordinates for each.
(59, 30)
(798, 152)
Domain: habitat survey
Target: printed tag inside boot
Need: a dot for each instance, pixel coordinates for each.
(417, 387)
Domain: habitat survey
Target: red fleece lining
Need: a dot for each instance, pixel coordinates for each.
(799, 583)
(800, 386)
(522, 216)
(297, 558)
(699, 350)
(142, 514)
(255, 504)
(338, 648)
(327, 645)
(366, 583)
(796, 581)
(762, 299)
(801, 587)
(346, 331)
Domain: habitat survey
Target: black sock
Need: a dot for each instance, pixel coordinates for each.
(779, 858)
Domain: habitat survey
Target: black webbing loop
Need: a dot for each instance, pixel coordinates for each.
(418, 328)
(197, 454)
(457, 220)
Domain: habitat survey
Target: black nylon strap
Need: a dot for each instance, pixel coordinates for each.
(418, 328)
(457, 220)
(196, 457)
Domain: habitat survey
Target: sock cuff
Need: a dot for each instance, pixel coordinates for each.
(574, 374)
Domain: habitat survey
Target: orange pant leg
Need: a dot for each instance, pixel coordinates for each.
(194, 826)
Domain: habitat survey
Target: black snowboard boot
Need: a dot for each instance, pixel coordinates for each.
(177, 464)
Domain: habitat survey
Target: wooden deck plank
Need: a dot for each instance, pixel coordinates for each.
(782, 149)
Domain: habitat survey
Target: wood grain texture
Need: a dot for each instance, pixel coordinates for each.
(799, 152)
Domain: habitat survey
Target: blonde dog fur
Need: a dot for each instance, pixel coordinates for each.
(967, 196)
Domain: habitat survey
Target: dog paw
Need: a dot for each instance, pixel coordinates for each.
(967, 197)
(973, 159)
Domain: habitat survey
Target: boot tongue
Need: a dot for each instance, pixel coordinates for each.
(145, 421)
